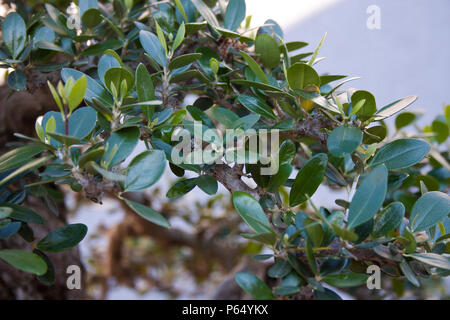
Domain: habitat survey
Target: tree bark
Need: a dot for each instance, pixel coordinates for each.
(18, 113)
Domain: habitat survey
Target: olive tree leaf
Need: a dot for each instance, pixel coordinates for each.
(234, 14)
(268, 49)
(430, 209)
(394, 107)
(148, 213)
(24, 260)
(17, 80)
(388, 219)
(344, 140)
(251, 211)
(144, 170)
(256, 105)
(63, 238)
(76, 94)
(153, 47)
(254, 286)
(432, 259)
(123, 141)
(14, 34)
(308, 179)
(368, 197)
(401, 153)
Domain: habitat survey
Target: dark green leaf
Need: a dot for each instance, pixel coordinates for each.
(368, 197)
(183, 60)
(256, 105)
(14, 34)
(24, 260)
(148, 213)
(145, 169)
(344, 140)
(63, 238)
(180, 188)
(253, 285)
(430, 209)
(234, 14)
(401, 153)
(300, 75)
(346, 280)
(308, 179)
(17, 80)
(153, 47)
(124, 141)
(369, 107)
(208, 184)
(388, 219)
(268, 50)
(251, 212)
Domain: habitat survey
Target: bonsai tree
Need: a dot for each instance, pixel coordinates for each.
(210, 97)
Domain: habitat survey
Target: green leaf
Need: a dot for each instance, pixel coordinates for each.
(404, 119)
(180, 188)
(368, 197)
(124, 140)
(63, 238)
(145, 169)
(267, 48)
(441, 130)
(344, 140)
(19, 156)
(394, 107)
(183, 60)
(225, 117)
(81, 122)
(369, 107)
(431, 259)
(409, 274)
(99, 48)
(253, 285)
(14, 34)
(116, 75)
(326, 295)
(208, 184)
(287, 152)
(48, 278)
(389, 219)
(153, 47)
(109, 175)
(279, 269)
(23, 214)
(300, 75)
(77, 93)
(346, 280)
(17, 80)
(161, 37)
(5, 212)
(148, 213)
(206, 13)
(234, 14)
(256, 105)
(106, 62)
(308, 179)
(277, 180)
(91, 155)
(91, 17)
(145, 90)
(25, 261)
(94, 89)
(251, 212)
(401, 153)
(179, 37)
(430, 209)
(259, 73)
(31, 165)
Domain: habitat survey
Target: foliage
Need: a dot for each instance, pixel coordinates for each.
(126, 71)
